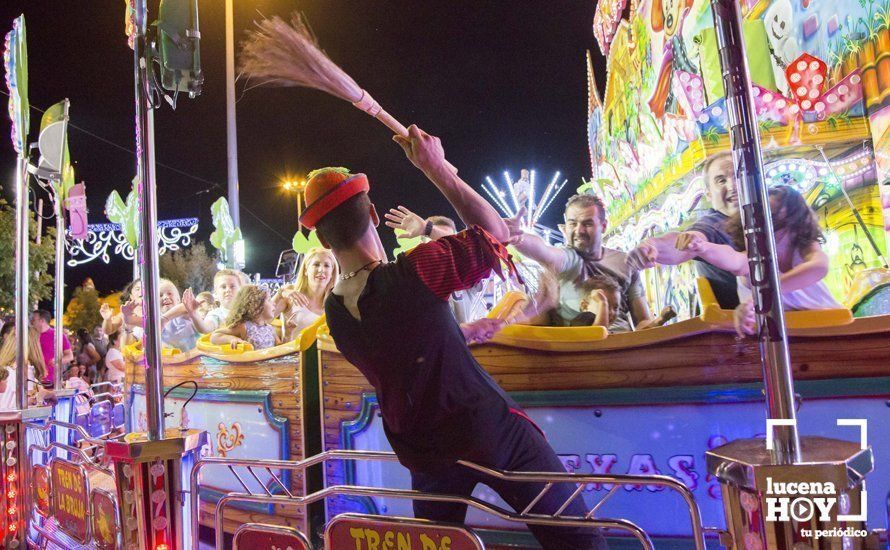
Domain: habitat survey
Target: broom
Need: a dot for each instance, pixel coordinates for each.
(282, 54)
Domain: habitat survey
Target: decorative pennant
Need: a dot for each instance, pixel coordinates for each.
(226, 234)
(76, 203)
(15, 62)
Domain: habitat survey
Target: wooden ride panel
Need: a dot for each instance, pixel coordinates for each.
(693, 375)
(250, 409)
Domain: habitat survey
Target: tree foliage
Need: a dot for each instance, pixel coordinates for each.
(190, 267)
(41, 257)
(83, 310)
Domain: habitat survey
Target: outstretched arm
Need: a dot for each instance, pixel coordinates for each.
(663, 249)
(718, 255)
(533, 246)
(813, 269)
(426, 153)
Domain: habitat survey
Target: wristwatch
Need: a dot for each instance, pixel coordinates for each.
(428, 230)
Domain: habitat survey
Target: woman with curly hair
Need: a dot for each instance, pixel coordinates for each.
(802, 263)
(249, 320)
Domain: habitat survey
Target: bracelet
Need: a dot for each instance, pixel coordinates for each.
(428, 230)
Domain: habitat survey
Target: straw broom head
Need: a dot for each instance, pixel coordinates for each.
(282, 54)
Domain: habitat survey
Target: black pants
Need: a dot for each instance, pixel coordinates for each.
(521, 448)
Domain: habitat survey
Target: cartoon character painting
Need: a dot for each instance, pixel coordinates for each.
(783, 47)
(668, 16)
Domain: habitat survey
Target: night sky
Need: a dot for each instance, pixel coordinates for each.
(502, 83)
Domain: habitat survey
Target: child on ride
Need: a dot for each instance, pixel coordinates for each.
(226, 284)
(177, 321)
(249, 321)
(800, 258)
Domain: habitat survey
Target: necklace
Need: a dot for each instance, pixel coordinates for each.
(352, 274)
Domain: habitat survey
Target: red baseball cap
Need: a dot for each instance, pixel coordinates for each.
(327, 189)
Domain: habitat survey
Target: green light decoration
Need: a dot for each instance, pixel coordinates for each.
(125, 214)
(303, 244)
(226, 234)
(15, 61)
(405, 244)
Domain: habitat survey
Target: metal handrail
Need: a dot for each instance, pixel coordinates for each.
(539, 477)
(84, 434)
(357, 490)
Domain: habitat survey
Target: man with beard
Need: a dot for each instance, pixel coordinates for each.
(583, 257)
(671, 248)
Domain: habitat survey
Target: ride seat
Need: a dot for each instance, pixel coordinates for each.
(711, 312)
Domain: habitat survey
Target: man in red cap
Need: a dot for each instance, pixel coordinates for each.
(392, 321)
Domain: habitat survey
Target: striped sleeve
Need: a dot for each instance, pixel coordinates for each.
(458, 262)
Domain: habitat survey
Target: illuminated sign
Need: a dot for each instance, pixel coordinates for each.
(255, 536)
(69, 498)
(372, 532)
(40, 488)
(105, 526)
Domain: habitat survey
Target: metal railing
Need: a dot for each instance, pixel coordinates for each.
(88, 457)
(266, 493)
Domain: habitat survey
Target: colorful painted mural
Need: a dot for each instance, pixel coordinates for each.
(821, 81)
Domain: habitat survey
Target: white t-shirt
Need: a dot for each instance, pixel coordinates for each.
(216, 317)
(114, 375)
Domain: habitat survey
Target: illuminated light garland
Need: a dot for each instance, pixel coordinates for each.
(511, 190)
(104, 239)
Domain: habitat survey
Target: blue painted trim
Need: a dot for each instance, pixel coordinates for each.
(715, 394)
(264, 398)
(348, 431)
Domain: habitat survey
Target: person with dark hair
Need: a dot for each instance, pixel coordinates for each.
(40, 321)
(87, 355)
(599, 303)
(583, 257)
(392, 321)
(672, 248)
(799, 255)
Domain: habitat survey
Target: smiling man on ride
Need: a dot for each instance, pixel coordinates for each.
(583, 257)
(392, 321)
(671, 249)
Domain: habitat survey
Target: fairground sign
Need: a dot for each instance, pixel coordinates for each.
(69, 499)
(372, 532)
(255, 536)
(105, 525)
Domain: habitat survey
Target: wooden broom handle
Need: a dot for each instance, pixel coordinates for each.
(367, 104)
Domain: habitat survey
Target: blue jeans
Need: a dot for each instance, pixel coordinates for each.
(522, 448)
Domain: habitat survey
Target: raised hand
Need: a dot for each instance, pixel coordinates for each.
(189, 301)
(106, 312)
(410, 223)
(296, 298)
(644, 256)
(423, 150)
(515, 226)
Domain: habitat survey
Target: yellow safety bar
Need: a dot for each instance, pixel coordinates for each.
(814, 318)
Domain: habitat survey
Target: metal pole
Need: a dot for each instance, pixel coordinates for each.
(148, 249)
(231, 126)
(59, 292)
(21, 283)
(758, 226)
